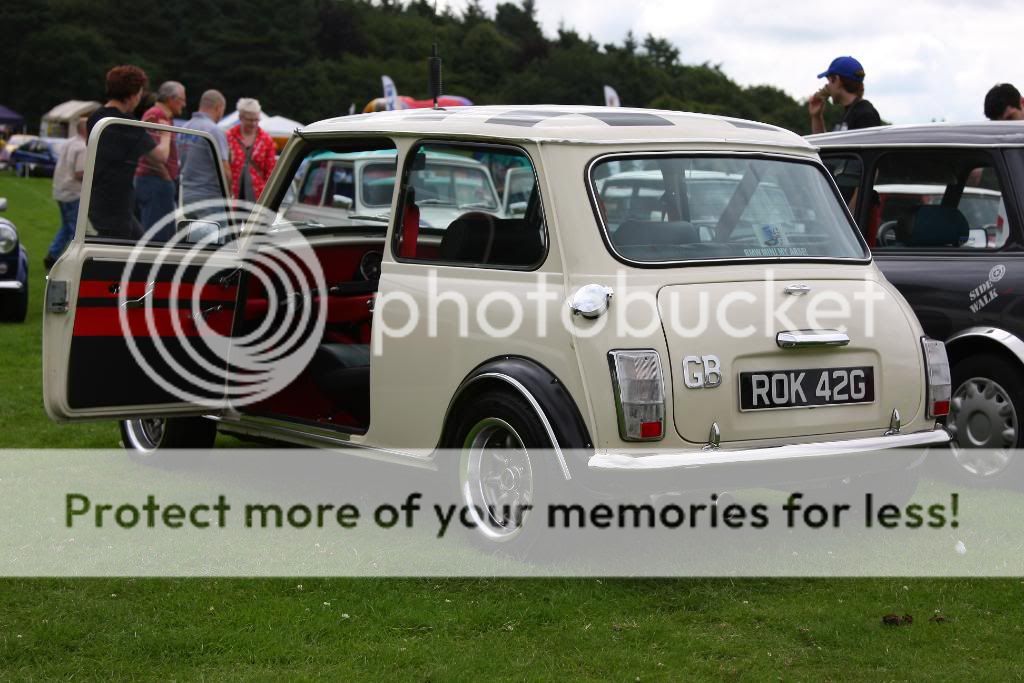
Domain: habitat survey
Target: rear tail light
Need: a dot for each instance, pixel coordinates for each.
(937, 371)
(639, 389)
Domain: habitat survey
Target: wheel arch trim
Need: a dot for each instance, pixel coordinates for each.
(1008, 340)
(522, 376)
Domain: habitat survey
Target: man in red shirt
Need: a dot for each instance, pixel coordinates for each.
(156, 182)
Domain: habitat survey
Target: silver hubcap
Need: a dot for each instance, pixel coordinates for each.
(145, 433)
(496, 479)
(984, 427)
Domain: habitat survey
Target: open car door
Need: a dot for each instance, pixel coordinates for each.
(137, 317)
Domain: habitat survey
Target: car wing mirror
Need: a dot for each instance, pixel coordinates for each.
(340, 201)
(198, 231)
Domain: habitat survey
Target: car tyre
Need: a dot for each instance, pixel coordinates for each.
(148, 439)
(985, 416)
(505, 461)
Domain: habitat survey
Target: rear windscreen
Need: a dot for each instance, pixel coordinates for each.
(666, 208)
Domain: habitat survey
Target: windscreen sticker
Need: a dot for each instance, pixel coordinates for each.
(776, 251)
(771, 236)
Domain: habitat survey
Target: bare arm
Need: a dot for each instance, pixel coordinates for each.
(816, 108)
(162, 149)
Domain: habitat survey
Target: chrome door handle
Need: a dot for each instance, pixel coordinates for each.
(141, 301)
(798, 339)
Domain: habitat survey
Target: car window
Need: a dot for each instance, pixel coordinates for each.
(340, 187)
(452, 211)
(679, 208)
(312, 192)
(943, 199)
(134, 197)
(378, 183)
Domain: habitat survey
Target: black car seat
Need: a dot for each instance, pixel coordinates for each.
(342, 373)
(938, 226)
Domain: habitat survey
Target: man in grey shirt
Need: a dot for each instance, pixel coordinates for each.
(200, 180)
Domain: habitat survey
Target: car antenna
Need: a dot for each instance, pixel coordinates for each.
(434, 75)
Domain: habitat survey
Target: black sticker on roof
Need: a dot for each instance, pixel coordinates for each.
(630, 119)
(748, 124)
(438, 116)
(525, 117)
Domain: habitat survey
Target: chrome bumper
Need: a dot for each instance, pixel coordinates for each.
(11, 285)
(711, 458)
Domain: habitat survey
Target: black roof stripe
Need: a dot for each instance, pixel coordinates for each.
(614, 118)
(750, 124)
(525, 117)
(438, 116)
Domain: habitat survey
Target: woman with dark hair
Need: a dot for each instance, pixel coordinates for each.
(112, 202)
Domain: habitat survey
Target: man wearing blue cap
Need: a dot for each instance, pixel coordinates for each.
(846, 86)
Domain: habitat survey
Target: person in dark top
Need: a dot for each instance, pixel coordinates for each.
(112, 200)
(1004, 103)
(846, 86)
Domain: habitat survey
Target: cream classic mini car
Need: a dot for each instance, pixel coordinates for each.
(736, 323)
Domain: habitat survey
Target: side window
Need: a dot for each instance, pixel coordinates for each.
(470, 204)
(313, 184)
(140, 189)
(327, 189)
(938, 200)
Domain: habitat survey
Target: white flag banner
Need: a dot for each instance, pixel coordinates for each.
(611, 98)
(390, 93)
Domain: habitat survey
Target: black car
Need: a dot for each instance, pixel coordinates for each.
(941, 207)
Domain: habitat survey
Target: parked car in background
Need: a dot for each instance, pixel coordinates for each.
(333, 186)
(941, 207)
(13, 272)
(561, 384)
(12, 143)
(36, 157)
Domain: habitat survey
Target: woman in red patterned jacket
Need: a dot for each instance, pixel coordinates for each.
(253, 154)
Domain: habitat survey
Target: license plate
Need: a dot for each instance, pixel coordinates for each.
(806, 388)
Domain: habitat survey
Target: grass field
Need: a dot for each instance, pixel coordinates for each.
(461, 629)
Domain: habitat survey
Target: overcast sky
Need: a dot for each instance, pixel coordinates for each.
(925, 59)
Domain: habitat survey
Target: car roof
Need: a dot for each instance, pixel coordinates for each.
(981, 133)
(564, 123)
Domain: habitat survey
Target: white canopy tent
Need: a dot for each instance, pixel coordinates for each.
(277, 126)
(57, 123)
